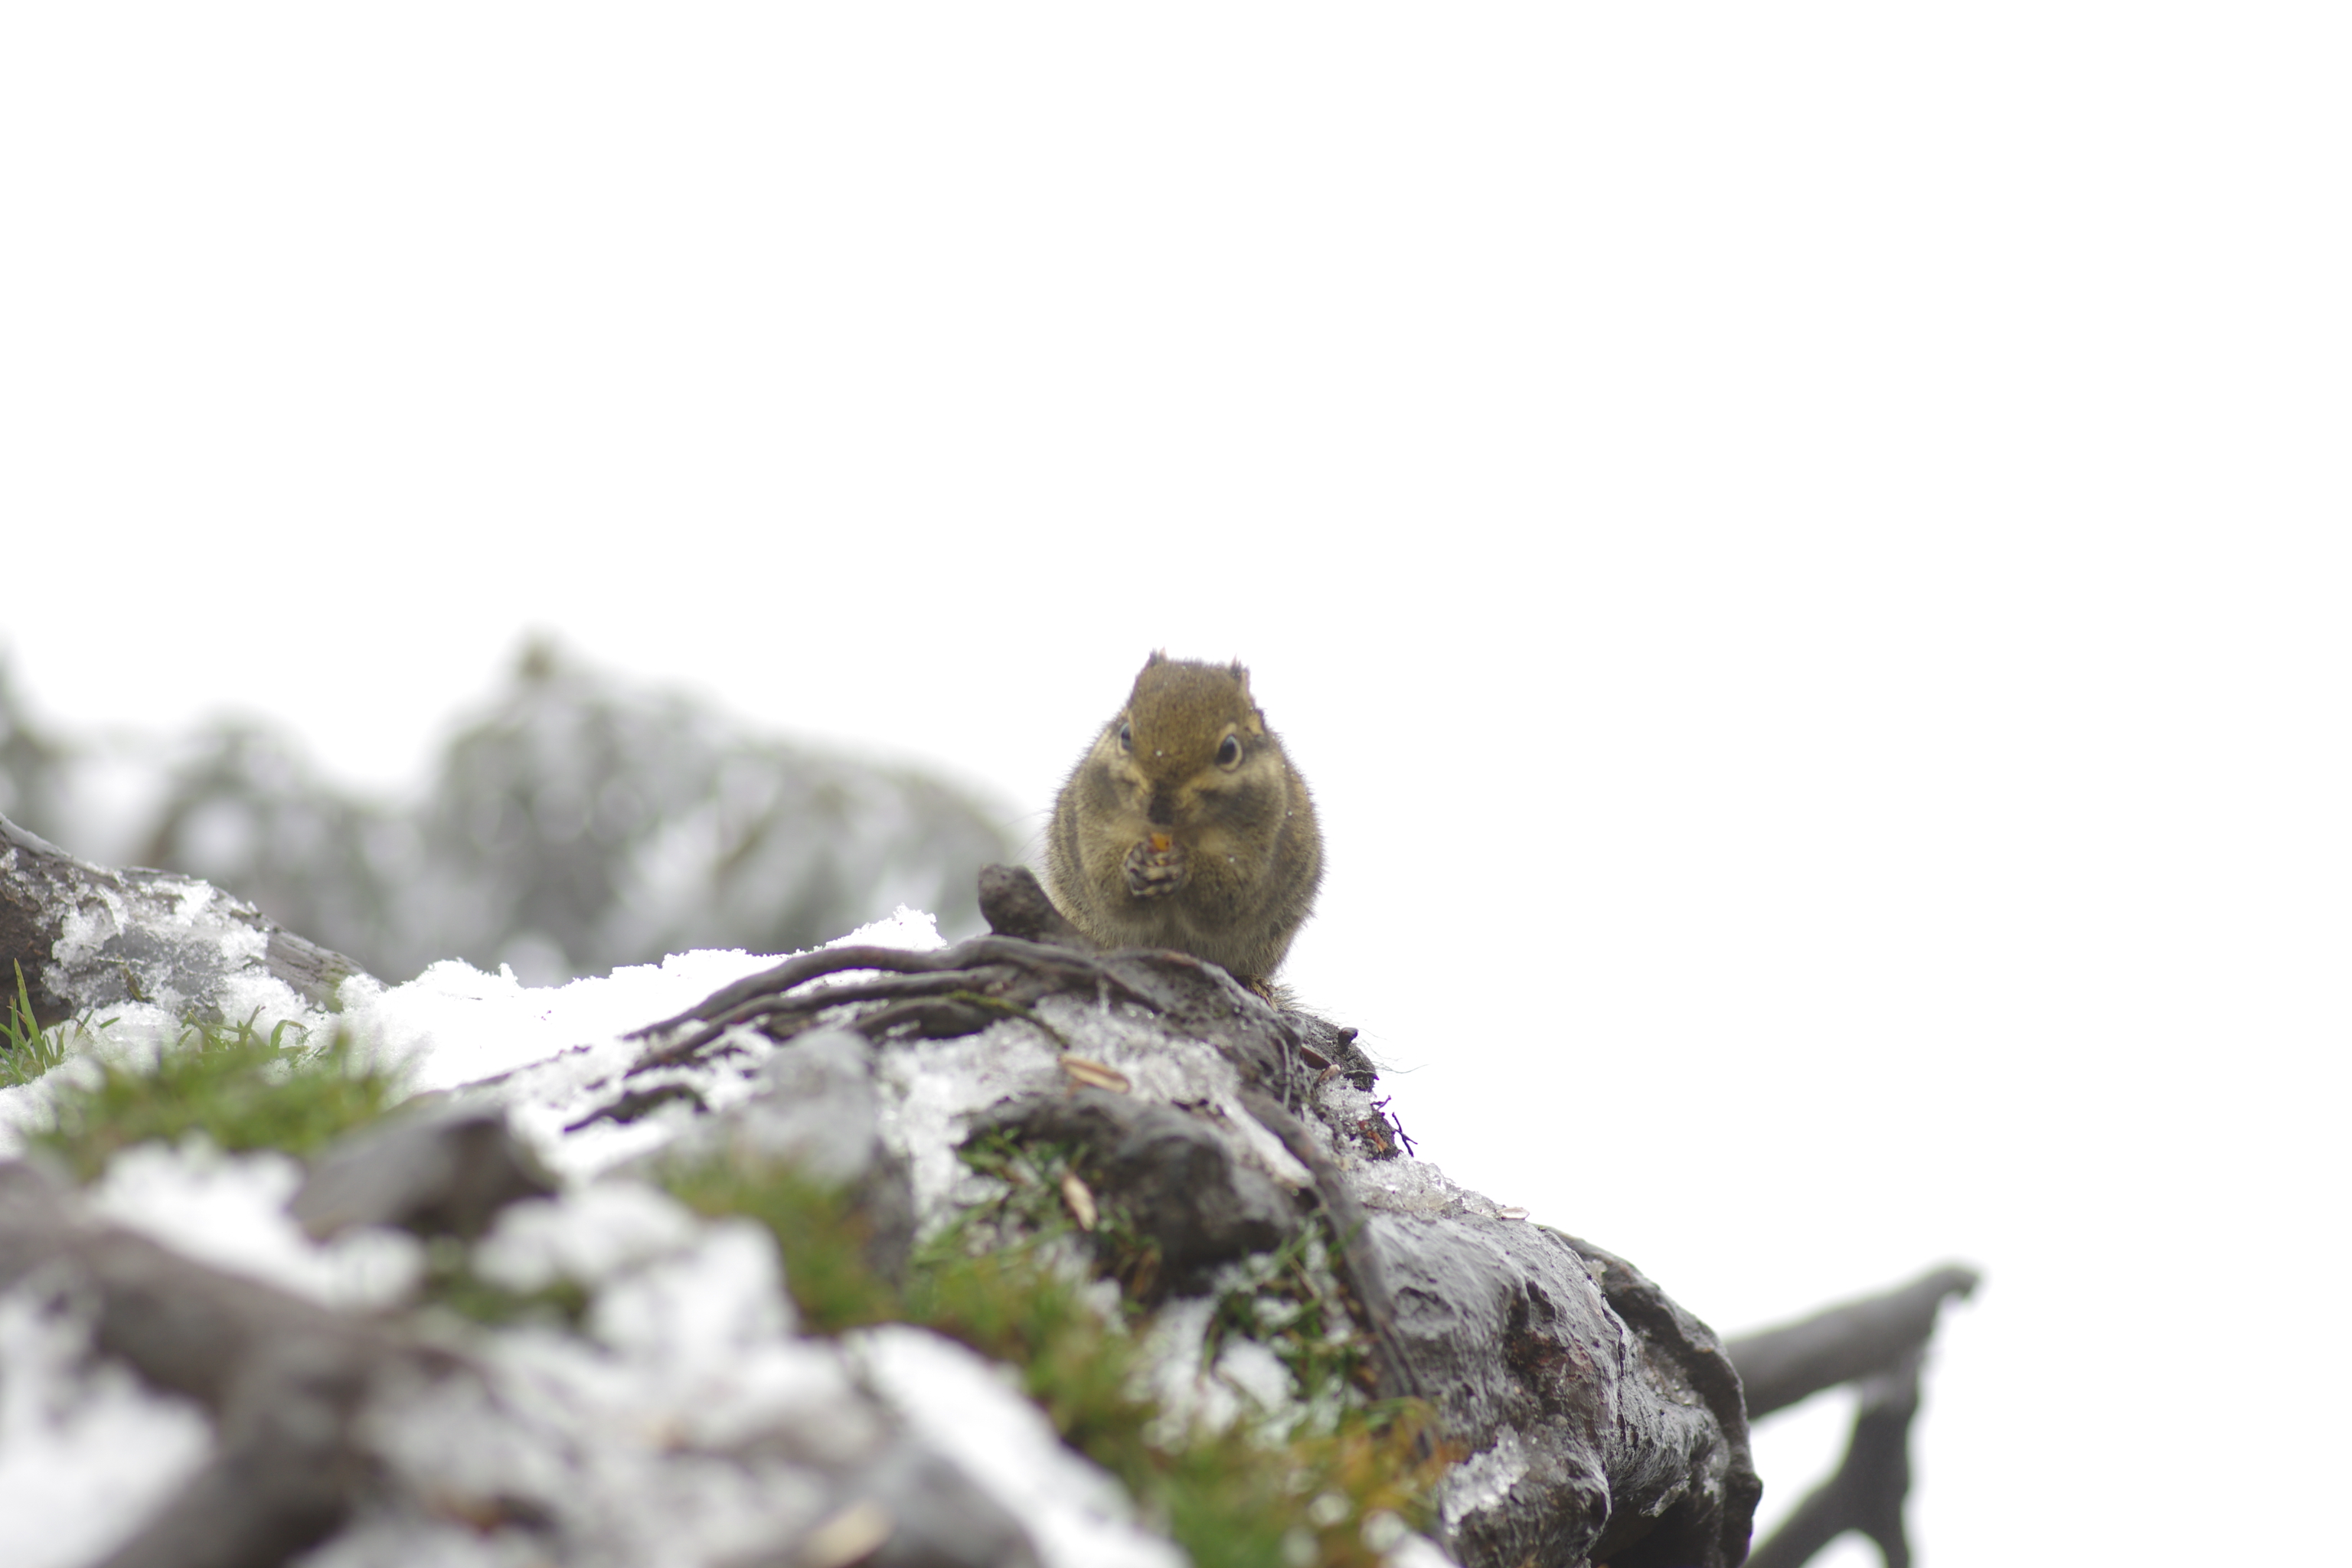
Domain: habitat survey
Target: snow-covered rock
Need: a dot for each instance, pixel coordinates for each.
(656, 1401)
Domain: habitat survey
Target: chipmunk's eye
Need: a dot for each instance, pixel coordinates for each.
(1230, 754)
(1126, 739)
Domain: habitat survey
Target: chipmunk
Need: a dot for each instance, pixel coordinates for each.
(1185, 826)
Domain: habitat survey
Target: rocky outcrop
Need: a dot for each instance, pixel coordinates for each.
(1591, 1419)
(84, 936)
(1600, 1422)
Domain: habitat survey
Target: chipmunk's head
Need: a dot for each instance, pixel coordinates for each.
(1190, 758)
(1188, 723)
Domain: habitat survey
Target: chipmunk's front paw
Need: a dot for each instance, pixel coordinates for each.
(1155, 867)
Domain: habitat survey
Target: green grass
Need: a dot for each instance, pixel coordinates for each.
(29, 1050)
(1288, 1301)
(241, 1088)
(818, 1230)
(999, 1281)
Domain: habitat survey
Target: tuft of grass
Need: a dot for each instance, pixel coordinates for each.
(1289, 1302)
(241, 1088)
(1234, 1501)
(1033, 1203)
(1012, 1305)
(819, 1232)
(30, 1050)
(999, 1281)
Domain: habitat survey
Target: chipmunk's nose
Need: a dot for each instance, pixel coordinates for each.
(1161, 808)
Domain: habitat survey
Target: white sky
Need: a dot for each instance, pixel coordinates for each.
(1802, 551)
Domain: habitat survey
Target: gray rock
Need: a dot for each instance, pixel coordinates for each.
(284, 1379)
(88, 936)
(436, 1171)
(1175, 1176)
(939, 1519)
(1591, 1439)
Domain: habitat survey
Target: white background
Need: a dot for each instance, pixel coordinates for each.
(1802, 550)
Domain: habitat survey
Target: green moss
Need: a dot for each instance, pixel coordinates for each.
(1035, 1201)
(999, 1281)
(241, 1088)
(820, 1234)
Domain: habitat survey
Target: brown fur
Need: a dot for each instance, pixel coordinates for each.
(1158, 843)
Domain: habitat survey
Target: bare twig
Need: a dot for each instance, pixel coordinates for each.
(1867, 1493)
(1780, 1366)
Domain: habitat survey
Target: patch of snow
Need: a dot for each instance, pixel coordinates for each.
(26, 1109)
(1165, 1068)
(710, 1330)
(1416, 1186)
(1483, 1479)
(1409, 1551)
(86, 1452)
(1250, 1367)
(454, 1025)
(230, 1211)
(723, 1294)
(968, 1409)
(549, 1048)
(914, 929)
(687, 1427)
(1247, 1379)
(1168, 1368)
(588, 1235)
(258, 999)
(576, 1447)
(932, 1090)
(88, 927)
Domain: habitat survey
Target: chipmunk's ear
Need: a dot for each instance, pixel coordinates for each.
(1241, 679)
(1159, 655)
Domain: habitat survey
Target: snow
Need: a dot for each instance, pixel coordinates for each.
(1076, 1514)
(930, 1091)
(1410, 1550)
(1484, 1479)
(548, 1425)
(454, 1025)
(655, 1438)
(230, 1211)
(647, 1439)
(1418, 1187)
(588, 1235)
(85, 1450)
(548, 1049)
(1247, 1379)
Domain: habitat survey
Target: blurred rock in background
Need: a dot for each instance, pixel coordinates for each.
(576, 826)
